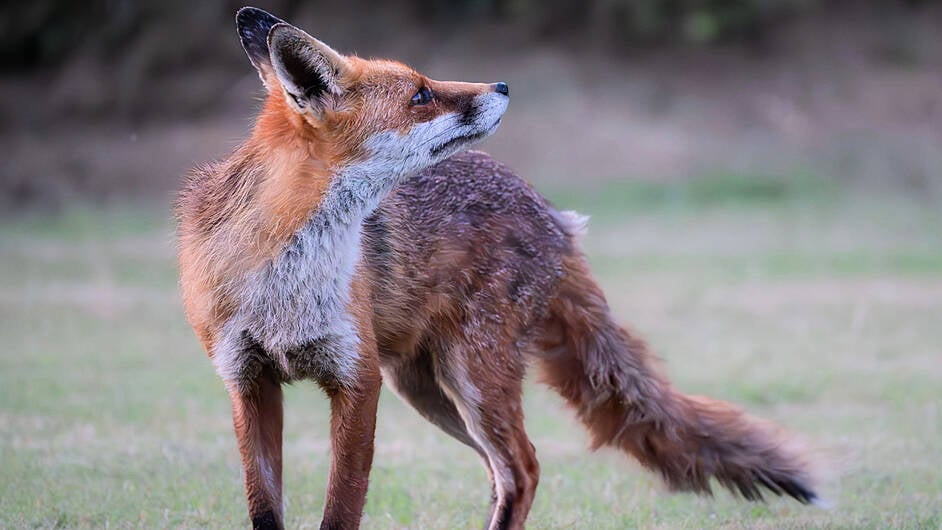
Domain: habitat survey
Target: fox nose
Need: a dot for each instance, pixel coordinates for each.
(502, 88)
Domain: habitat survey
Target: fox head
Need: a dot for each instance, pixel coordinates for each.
(376, 115)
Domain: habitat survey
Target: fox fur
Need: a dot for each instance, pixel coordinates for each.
(346, 242)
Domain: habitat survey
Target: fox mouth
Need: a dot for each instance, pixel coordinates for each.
(464, 139)
(468, 138)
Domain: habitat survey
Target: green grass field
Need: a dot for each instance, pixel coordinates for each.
(814, 307)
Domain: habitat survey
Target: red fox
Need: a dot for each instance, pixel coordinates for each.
(346, 242)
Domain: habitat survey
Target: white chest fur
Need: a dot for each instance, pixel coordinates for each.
(295, 307)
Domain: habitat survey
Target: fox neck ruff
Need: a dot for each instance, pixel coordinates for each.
(294, 309)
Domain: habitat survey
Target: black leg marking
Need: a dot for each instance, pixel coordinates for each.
(266, 521)
(505, 512)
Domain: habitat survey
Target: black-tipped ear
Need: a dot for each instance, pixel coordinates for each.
(308, 70)
(253, 25)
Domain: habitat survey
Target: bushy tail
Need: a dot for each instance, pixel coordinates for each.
(608, 375)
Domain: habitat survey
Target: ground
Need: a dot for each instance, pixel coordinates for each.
(805, 303)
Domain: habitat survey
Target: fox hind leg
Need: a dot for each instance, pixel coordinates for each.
(413, 379)
(485, 386)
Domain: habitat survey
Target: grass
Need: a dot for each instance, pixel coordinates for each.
(806, 305)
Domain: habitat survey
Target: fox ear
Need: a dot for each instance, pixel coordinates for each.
(310, 72)
(254, 25)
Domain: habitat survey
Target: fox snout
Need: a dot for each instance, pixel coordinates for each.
(478, 122)
(488, 108)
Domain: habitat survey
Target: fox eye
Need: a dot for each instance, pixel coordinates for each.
(422, 97)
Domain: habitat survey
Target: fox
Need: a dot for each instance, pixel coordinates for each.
(354, 240)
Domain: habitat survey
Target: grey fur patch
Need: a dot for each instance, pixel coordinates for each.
(301, 297)
(326, 360)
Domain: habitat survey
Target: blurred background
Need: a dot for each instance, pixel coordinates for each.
(603, 89)
(765, 184)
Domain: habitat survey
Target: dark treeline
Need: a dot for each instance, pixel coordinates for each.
(139, 58)
(43, 33)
